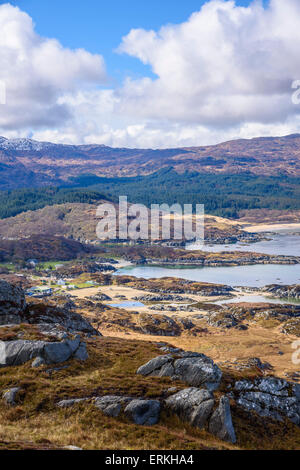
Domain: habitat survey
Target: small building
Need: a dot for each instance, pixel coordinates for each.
(41, 291)
(61, 282)
(32, 263)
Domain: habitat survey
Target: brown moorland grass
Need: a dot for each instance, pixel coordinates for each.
(111, 369)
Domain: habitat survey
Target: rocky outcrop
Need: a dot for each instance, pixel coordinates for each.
(220, 424)
(111, 405)
(64, 315)
(269, 397)
(71, 402)
(15, 353)
(57, 312)
(195, 406)
(280, 291)
(12, 303)
(162, 298)
(172, 308)
(192, 405)
(143, 412)
(139, 411)
(195, 369)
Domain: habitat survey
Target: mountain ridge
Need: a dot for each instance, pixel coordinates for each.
(26, 162)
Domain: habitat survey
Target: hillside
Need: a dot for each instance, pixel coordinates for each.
(24, 162)
(43, 248)
(78, 221)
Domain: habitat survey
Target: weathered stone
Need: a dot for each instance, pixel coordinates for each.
(14, 353)
(270, 397)
(81, 353)
(55, 353)
(63, 315)
(10, 396)
(220, 423)
(111, 405)
(143, 412)
(193, 368)
(192, 405)
(12, 303)
(71, 402)
(38, 361)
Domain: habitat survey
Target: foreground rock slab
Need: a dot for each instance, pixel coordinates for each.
(220, 423)
(15, 353)
(143, 412)
(192, 405)
(195, 369)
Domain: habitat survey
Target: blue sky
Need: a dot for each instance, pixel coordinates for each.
(99, 26)
(191, 72)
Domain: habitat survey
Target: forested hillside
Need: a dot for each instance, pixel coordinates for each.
(224, 195)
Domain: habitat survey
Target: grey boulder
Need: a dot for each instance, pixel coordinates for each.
(220, 424)
(195, 369)
(143, 412)
(111, 405)
(192, 405)
(10, 396)
(15, 353)
(71, 402)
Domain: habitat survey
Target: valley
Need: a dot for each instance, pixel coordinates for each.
(93, 316)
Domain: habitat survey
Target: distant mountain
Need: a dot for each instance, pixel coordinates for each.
(25, 162)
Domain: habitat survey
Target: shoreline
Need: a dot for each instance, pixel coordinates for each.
(258, 228)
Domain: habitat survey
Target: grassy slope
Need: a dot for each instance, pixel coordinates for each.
(110, 369)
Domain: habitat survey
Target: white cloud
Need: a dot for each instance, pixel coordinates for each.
(37, 72)
(224, 73)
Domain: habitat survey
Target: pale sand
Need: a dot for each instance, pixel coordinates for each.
(271, 227)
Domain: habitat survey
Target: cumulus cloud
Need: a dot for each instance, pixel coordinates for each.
(224, 73)
(37, 72)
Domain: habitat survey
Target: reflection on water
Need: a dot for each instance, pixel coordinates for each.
(127, 304)
(257, 275)
(257, 299)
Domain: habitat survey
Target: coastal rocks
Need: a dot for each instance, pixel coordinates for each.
(162, 298)
(99, 297)
(14, 353)
(192, 405)
(280, 291)
(12, 303)
(163, 325)
(220, 424)
(195, 369)
(172, 308)
(143, 412)
(269, 397)
(222, 320)
(158, 325)
(10, 396)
